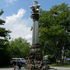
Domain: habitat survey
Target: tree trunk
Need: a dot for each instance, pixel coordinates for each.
(61, 59)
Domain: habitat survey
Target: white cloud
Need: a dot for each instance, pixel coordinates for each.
(12, 19)
(19, 27)
(10, 1)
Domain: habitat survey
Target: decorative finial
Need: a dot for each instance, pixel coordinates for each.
(35, 3)
(35, 6)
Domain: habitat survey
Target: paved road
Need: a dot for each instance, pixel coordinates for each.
(53, 68)
(22, 68)
(61, 68)
(6, 68)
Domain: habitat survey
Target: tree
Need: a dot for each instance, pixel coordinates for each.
(54, 30)
(19, 48)
(4, 35)
(67, 53)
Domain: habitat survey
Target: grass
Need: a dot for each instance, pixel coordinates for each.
(59, 65)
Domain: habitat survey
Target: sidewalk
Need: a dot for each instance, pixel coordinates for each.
(61, 68)
(52, 68)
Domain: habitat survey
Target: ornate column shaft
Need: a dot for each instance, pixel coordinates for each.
(35, 38)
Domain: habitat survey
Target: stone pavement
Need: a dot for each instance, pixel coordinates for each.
(6, 68)
(61, 68)
(52, 68)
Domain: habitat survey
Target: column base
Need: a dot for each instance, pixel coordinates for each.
(35, 60)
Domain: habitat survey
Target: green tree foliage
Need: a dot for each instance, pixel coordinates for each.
(67, 53)
(4, 36)
(51, 58)
(54, 28)
(19, 48)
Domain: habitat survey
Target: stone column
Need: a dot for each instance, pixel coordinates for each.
(35, 60)
(35, 55)
(35, 17)
(35, 36)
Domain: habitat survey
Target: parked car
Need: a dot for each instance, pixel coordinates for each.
(46, 61)
(14, 60)
(68, 59)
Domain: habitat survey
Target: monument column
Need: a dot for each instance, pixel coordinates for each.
(35, 17)
(35, 56)
(35, 59)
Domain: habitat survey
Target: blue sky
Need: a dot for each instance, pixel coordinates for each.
(17, 15)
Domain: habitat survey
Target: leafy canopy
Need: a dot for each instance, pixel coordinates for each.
(54, 28)
(4, 37)
(19, 48)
